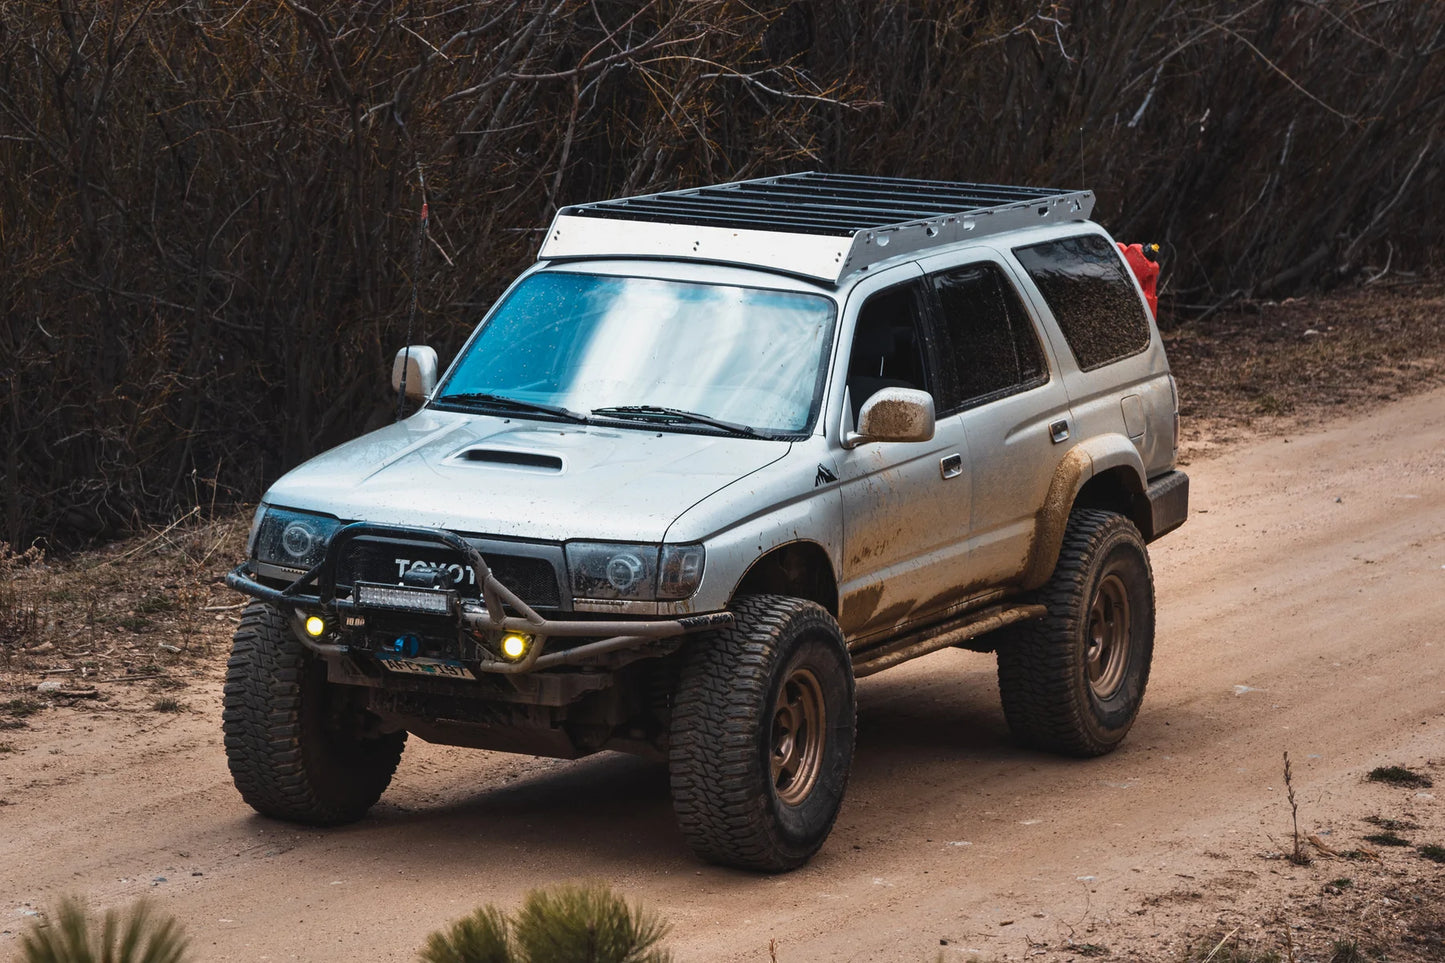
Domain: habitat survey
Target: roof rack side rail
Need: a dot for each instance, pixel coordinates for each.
(818, 226)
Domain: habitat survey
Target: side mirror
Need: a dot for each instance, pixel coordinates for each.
(893, 414)
(420, 364)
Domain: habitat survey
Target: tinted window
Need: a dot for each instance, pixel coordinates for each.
(1083, 281)
(990, 343)
(888, 345)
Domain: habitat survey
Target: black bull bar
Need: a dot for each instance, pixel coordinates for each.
(494, 614)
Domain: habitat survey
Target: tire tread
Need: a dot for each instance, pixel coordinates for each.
(262, 721)
(1036, 662)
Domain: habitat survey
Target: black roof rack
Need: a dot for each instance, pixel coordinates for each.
(823, 226)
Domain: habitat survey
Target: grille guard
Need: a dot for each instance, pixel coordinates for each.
(493, 614)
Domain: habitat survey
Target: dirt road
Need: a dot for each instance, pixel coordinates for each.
(1300, 609)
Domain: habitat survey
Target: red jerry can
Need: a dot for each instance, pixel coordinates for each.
(1146, 269)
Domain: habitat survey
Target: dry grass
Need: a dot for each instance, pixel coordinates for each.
(1276, 367)
(149, 610)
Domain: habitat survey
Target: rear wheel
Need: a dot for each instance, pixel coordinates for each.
(299, 748)
(1072, 682)
(762, 735)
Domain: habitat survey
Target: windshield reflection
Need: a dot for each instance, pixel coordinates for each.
(581, 341)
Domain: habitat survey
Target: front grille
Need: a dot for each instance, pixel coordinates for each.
(382, 560)
(533, 579)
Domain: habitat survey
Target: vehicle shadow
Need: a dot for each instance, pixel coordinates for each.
(932, 742)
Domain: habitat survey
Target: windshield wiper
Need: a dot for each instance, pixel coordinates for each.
(513, 404)
(659, 413)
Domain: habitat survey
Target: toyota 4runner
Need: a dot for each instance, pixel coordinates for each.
(719, 453)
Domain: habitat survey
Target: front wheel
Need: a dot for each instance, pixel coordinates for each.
(762, 735)
(1072, 682)
(299, 748)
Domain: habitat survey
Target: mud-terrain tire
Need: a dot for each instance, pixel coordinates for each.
(1072, 681)
(296, 744)
(762, 735)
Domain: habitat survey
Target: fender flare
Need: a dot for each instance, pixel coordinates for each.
(1080, 464)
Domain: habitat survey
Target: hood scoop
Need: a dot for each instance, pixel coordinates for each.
(535, 460)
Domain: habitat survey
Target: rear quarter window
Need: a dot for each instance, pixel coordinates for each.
(1083, 280)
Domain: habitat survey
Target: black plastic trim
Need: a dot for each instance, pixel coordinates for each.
(1168, 496)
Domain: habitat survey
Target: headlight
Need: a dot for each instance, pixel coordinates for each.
(602, 570)
(293, 539)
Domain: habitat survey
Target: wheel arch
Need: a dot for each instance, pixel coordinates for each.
(801, 569)
(1118, 489)
(1102, 473)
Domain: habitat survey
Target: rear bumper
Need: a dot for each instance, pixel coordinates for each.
(1168, 496)
(499, 610)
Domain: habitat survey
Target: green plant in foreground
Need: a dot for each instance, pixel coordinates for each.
(479, 938)
(568, 924)
(586, 924)
(137, 935)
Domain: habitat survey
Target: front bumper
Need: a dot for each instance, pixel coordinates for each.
(499, 610)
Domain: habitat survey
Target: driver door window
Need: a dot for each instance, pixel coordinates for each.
(889, 350)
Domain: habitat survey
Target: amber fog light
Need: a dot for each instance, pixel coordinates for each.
(515, 646)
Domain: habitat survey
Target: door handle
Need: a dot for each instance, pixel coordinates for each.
(1059, 431)
(950, 466)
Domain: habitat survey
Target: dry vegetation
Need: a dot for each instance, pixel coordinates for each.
(128, 627)
(208, 208)
(1273, 367)
(1352, 900)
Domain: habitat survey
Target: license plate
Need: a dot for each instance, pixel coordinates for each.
(432, 667)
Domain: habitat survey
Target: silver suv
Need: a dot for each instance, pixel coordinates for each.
(719, 453)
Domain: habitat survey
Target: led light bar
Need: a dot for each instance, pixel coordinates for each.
(403, 599)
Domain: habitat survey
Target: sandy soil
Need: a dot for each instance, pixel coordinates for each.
(1300, 610)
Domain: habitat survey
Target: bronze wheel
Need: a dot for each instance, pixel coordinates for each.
(1108, 646)
(799, 733)
(761, 734)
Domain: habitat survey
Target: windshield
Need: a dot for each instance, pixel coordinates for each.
(582, 342)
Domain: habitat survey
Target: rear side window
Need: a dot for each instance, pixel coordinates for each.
(1083, 280)
(990, 343)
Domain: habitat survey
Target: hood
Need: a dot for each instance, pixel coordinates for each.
(490, 475)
